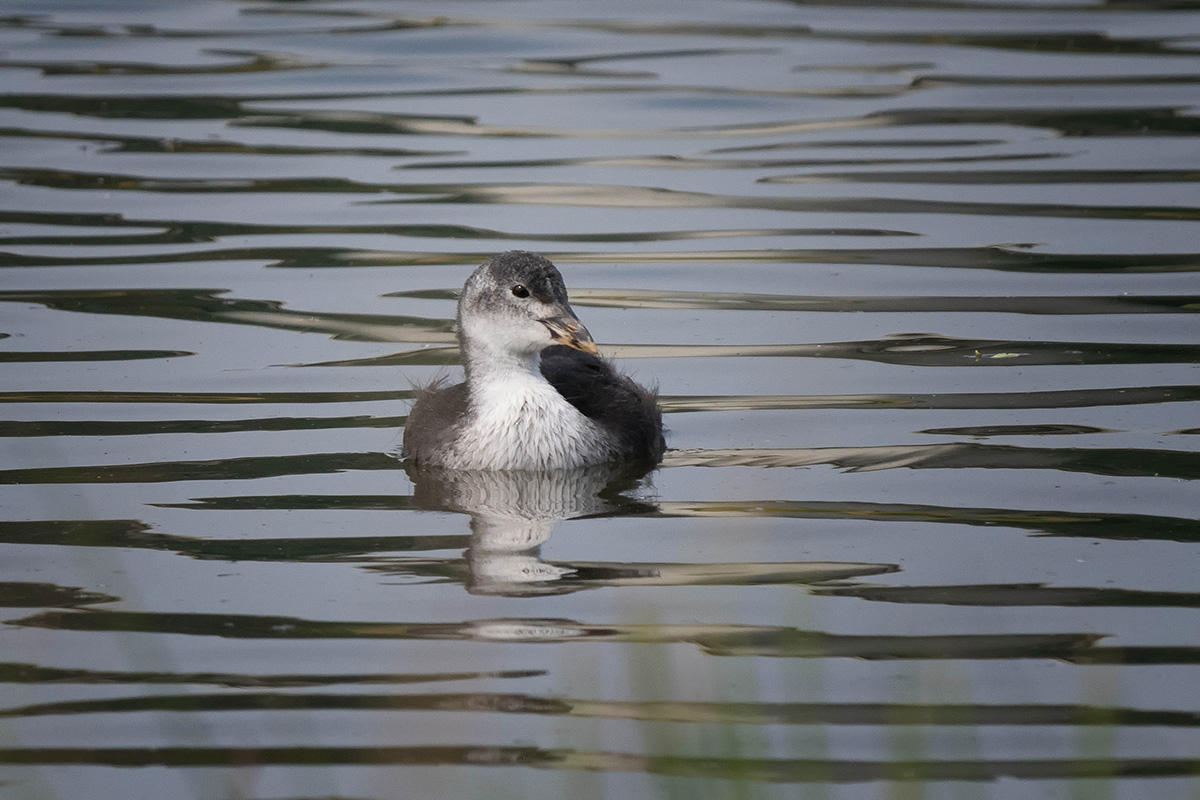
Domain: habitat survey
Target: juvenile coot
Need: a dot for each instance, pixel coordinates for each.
(528, 403)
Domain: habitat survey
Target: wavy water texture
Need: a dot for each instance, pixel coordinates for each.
(915, 282)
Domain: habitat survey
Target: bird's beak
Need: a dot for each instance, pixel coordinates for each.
(567, 329)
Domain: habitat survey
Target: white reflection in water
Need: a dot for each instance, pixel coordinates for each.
(513, 514)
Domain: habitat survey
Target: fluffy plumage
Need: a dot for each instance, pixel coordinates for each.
(529, 403)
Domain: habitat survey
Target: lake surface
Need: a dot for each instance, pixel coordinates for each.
(917, 283)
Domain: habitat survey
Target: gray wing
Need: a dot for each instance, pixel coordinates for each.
(433, 422)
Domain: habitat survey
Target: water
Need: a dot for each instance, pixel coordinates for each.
(916, 282)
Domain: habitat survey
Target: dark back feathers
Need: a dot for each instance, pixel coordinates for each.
(614, 401)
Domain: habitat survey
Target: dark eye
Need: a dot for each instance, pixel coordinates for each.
(520, 291)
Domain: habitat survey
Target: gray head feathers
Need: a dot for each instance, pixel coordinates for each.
(514, 305)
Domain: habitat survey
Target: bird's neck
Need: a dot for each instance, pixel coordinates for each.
(507, 388)
(491, 369)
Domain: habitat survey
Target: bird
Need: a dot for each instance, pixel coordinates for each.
(537, 394)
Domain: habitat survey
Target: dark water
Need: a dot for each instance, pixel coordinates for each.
(917, 282)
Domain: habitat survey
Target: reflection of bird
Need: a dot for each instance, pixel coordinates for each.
(528, 403)
(513, 513)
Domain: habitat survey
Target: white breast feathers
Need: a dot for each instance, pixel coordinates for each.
(519, 421)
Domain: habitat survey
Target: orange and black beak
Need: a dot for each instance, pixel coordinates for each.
(567, 329)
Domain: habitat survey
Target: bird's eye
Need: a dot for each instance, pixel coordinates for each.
(520, 291)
